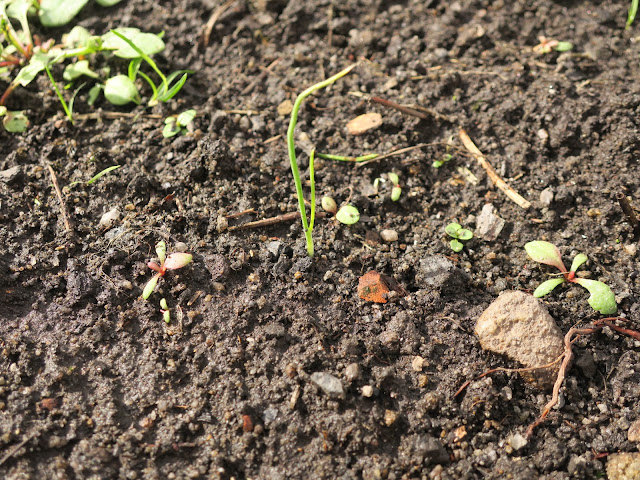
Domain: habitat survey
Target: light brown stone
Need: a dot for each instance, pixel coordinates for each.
(623, 466)
(518, 325)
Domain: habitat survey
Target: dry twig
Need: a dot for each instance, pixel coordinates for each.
(63, 208)
(493, 175)
(217, 13)
(265, 222)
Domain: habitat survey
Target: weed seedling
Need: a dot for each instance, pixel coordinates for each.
(393, 178)
(307, 223)
(164, 310)
(546, 45)
(178, 123)
(601, 299)
(172, 262)
(348, 215)
(458, 233)
(631, 15)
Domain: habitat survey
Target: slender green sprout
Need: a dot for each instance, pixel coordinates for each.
(66, 108)
(633, 10)
(307, 225)
(340, 158)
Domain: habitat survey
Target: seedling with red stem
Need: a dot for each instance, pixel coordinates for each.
(172, 262)
(601, 299)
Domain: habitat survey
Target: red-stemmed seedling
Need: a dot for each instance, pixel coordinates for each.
(601, 299)
(172, 262)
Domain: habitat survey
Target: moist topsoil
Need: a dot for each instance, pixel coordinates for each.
(93, 383)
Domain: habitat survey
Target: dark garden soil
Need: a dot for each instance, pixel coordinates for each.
(93, 383)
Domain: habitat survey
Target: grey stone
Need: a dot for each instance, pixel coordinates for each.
(518, 325)
(439, 273)
(488, 224)
(329, 384)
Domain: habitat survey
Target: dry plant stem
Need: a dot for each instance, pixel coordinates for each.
(628, 212)
(572, 335)
(265, 222)
(215, 16)
(495, 178)
(13, 451)
(63, 209)
(240, 214)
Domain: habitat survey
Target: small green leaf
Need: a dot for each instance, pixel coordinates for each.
(186, 117)
(546, 287)
(150, 286)
(464, 234)
(3, 110)
(76, 70)
(178, 260)
(96, 177)
(149, 43)
(545, 252)
(94, 92)
(120, 90)
(15, 122)
(563, 46)
(348, 215)
(579, 260)
(161, 251)
(55, 13)
(602, 298)
(393, 178)
(107, 3)
(455, 245)
(452, 229)
(30, 71)
(77, 37)
(171, 128)
(163, 304)
(166, 316)
(395, 194)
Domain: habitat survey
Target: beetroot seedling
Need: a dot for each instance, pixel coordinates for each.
(172, 262)
(601, 299)
(455, 231)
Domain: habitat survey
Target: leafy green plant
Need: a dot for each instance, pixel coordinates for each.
(458, 233)
(176, 124)
(18, 51)
(172, 262)
(14, 122)
(445, 158)
(307, 223)
(601, 299)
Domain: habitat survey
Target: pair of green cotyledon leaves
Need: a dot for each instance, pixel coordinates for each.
(601, 299)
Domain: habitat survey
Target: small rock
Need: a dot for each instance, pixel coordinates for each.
(352, 372)
(631, 249)
(546, 197)
(389, 236)
(285, 108)
(375, 287)
(517, 441)
(518, 325)
(488, 224)
(329, 384)
(222, 223)
(439, 273)
(417, 364)
(364, 123)
(633, 434)
(10, 174)
(367, 391)
(180, 247)
(110, 218)
(390, 417)
(623, 466)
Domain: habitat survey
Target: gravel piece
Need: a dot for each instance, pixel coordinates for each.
(329, 384)
(389, 236)
(519, 326)
(488, 224)
(633, 434)
(623, 466)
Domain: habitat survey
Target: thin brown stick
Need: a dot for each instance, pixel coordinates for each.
(628, 212)
(217, 13)
(266, 71)
(114, 115)
(13, 451)
(265, 222)
(63, 208)
(419, 112)
(240, 214)
(493, 175)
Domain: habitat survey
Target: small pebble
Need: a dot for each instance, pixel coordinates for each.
(417, 364)
(180, 247)
(389, 235)
(285, 108)
(352, 372)
(390, 417)
(367, 391)
(364, 123)
(633, 434)
(329, 384)
(222, 224)
(110, 218)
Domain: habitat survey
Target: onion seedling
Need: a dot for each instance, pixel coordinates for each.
(172, 262)
(601, 299)
(307, 223)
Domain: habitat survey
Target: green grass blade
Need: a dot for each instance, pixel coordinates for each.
(97, 177)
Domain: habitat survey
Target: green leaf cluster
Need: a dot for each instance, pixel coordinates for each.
(458, 233)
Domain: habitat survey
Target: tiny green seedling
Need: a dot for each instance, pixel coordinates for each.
(445, 158)
(348, 215)
(393, 178)
(307, 223)
(547, 45)
(631, 15)
(601, 299)
(172, 262)
(176, 124)
(458, 233)
(13, 122)
(164, 309)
